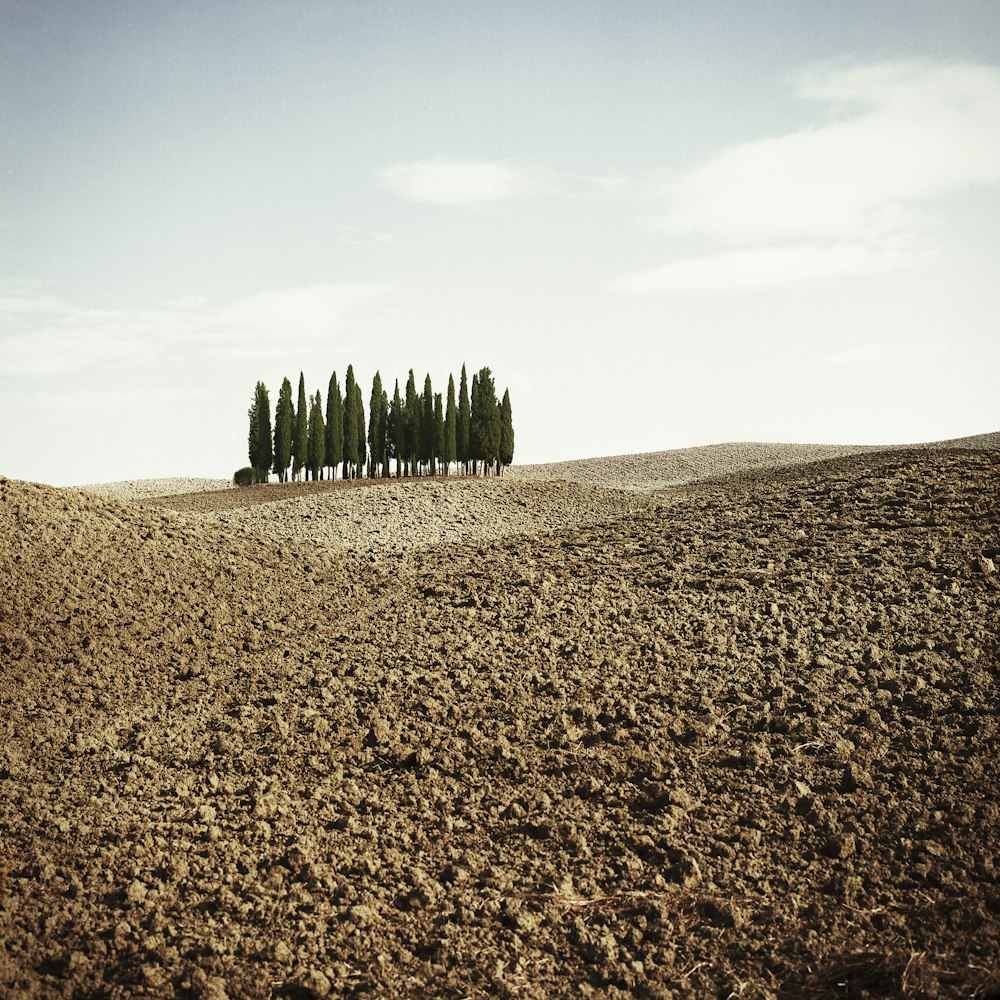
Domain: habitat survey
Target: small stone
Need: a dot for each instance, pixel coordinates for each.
(361, 915)
(873, 656)
(135, 891)
(214, 988)
(282, 953)
(840, 846)
(685, 872)
(317, 983)
(378, 733)
(206, 813)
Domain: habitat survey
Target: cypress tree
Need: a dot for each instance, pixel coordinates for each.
(411, 420)
(283, 413)
(450, 427)
(506, 431)
(350, 425)
(427, 423)
(485, 425)
(254, 428)
(359, 411)
(300, 431)
(376, 427)
(438, 433)
(462, 442)
(394, 430)
(333, 448)
(261, 410)
(384, 432)
(317, 436)
(335, 434)
(474, 446)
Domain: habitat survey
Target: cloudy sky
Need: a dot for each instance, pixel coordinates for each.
(660, 223)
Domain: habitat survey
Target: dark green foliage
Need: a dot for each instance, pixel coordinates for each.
(395, 430)
(449, 452)
(411, 421)
(254, 430)
(438, 433)
(422, 431)
(283, 415)
(506, 430)
(350, 425)
(249, 476)
(463, 444)
(317, 436)
(475, 451)
(376, 426)
(260, 451)
(384, 408)
(334, 426)
(485, 420)
(359, 413)
(300, 431)
(427, 423)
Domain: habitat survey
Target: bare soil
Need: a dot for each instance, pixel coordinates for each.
(733, 739)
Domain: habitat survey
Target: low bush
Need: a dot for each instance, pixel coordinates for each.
(248, 476)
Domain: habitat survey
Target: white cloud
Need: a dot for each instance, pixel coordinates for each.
(456, 182)
(759, 267)
(856, 190)
(42, 337)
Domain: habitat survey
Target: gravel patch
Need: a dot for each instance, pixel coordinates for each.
(393, 515)
(141, 489)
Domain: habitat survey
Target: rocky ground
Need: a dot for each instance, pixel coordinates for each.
(731, 739)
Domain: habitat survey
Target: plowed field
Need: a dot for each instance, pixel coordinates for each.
(732, 739)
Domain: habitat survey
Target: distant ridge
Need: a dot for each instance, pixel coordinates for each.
(640, 472)
(662, 469)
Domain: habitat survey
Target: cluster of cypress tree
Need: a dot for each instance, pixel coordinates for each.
(423, 434)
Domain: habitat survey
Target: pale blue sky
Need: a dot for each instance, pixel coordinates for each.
(661, 224)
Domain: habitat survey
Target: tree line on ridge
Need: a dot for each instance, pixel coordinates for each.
(422, 433)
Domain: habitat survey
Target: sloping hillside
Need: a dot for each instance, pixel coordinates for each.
(662, 469)
(741, 741)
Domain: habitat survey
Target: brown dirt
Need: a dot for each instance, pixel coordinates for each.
(738, 741)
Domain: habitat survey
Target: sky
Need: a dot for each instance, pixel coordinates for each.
(660, 224)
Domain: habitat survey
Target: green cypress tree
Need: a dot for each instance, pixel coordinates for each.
(411, 419)
(427, 423)
(395, 430)
(376, 428)
(300, 431)
(337, 455)
(262, 439)
(506, 431)
(438, 433)
(463, 445)
(283, 413)
(331, 447)
(317, 436)
(485, 423)
(254, 428)
(350, 425)
(450, 427)
(475, 450)
(359, 411)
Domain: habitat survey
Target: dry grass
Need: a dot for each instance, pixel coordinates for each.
(877, 974)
